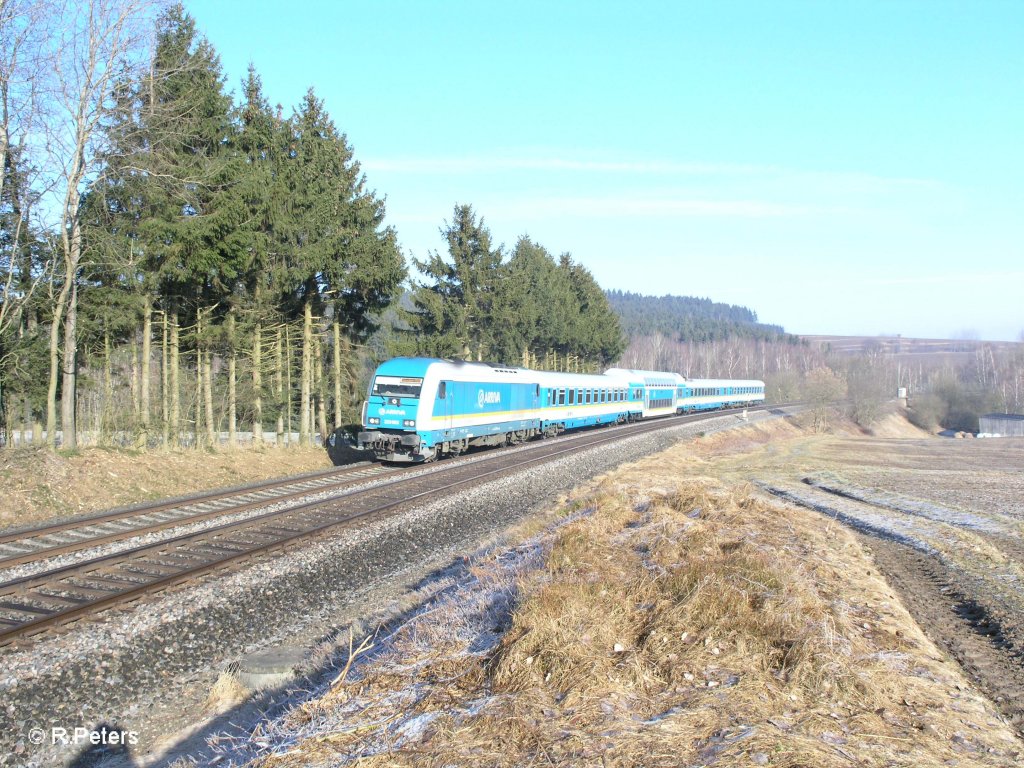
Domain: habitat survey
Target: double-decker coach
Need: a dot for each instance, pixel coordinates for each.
(659, 389)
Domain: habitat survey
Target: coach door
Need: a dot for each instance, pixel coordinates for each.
(446, 394)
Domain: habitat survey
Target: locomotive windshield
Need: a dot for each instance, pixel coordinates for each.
(396, 386)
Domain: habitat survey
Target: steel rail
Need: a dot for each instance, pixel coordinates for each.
(336, 478)
(163, 505)
(130, 575)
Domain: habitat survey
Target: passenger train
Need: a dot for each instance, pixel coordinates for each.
(420, 409)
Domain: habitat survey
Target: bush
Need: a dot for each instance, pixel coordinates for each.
(927, 411)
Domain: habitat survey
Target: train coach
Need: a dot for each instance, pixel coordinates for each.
(419, 409)
(713, 394)
(667, 393)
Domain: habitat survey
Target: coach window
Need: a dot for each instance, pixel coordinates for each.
(589, 395)
(572, 397)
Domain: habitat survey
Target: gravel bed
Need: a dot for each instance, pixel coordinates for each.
(114, 670)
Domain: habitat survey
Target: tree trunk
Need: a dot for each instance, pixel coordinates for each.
(26, 419)
(175, 366)
(147, 333)
(199, 382)
(338, 363)
(69, 381)
(288, 382)
(279, 384)
(305, 426)
(211, 436)
(199, 398)
(321, 391)
(108, 389)
(165, 366)
(257, 384)
(232, 385)
(134, 377)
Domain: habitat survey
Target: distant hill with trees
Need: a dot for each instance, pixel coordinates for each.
(689, 319)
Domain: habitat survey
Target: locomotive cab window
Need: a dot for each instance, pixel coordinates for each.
(396, 386)
(442, 390)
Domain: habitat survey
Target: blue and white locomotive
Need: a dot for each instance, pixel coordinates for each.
(419, 409)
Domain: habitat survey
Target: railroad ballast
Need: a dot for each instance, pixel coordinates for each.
(419, 409)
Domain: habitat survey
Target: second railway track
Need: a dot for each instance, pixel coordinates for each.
(38, 602)
(45, 542)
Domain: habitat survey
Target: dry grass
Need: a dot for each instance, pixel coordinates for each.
(38, 484)
(226, 692)
(682, 623)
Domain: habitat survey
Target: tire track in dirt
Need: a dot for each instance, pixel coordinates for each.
(987, 649)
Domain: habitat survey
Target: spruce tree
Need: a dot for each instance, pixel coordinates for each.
(195, 241)
(452, 310)
(338, 252)
(596, 336)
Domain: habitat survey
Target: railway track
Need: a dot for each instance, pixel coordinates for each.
(54, 597)
(26, 546)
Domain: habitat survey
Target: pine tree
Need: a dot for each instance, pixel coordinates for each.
(452, 313)
(332, 228)
(258, 141)
(596, 335)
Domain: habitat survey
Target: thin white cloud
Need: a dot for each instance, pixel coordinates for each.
(953, 279)
(850, 181)
(491, 164)
(617, 207)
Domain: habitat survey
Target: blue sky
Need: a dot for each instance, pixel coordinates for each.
(838, 167)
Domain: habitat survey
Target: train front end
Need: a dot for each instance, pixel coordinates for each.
(391, 412)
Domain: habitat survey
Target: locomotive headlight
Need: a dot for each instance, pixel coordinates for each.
(408, 423)
(373, 420)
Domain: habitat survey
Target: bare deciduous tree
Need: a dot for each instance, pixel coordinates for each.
(21, 30)
(93, 43)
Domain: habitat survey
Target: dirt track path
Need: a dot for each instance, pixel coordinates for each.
(987, 648)
(944, 521)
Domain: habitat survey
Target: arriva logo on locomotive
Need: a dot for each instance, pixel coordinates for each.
(487, 398)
